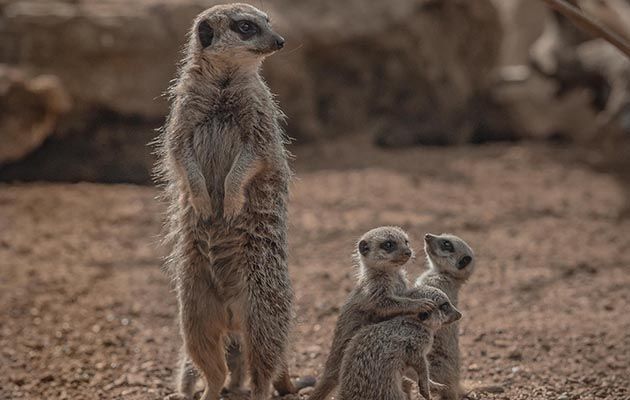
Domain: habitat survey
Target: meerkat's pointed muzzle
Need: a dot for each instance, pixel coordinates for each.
(456, 315)
(278, 41)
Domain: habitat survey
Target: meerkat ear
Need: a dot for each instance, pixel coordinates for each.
(206, 34)
(364, 248)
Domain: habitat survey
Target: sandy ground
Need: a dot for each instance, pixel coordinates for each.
(86, 312)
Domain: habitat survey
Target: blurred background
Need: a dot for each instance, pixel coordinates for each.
(82, 81)
(497, 120)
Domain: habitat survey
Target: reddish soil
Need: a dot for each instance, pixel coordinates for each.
(87, 312)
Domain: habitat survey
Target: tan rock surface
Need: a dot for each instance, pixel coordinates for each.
(29, 111)
(352, 66)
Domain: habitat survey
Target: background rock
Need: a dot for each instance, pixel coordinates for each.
(577, 86)
(29, 109)
(406, 71)
(523, 22)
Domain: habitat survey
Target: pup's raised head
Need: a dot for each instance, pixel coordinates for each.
(444, 314)
(384, 248)
(236, 32)
(449, 255)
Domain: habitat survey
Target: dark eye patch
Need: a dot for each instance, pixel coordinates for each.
(389, 246)
(423, 316)
(206, 34)
(464, 261)
(444, 307)
(446, 245)
(246, 29)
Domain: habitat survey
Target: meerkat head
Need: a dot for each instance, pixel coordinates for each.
(445, 313)
(449, 255)
(384, 248)
(235, 33)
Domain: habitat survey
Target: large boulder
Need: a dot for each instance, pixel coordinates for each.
(29, 110)
(404, 70)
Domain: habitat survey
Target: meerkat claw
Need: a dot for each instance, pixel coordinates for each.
(436, 385)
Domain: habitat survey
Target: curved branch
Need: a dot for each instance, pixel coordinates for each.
(589, 24)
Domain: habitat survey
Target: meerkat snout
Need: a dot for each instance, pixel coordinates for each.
(279, 42)
(451, 313)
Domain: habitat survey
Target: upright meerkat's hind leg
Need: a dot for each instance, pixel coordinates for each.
(268, 316)
(205, 346)
(284, 385)
(265, 351)
(188, 375)
(203, 325)
(236, 365)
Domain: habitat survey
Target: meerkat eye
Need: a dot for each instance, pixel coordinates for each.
(423, 316)
(444, 307)
(446, 245)
(464, 262)
(247, 28)
(388, 246)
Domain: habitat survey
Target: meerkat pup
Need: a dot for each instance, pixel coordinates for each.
(224, 167)
(379, 294)
(451, 261)
(378, 355)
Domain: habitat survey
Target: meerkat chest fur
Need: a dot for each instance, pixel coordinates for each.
(237, 111)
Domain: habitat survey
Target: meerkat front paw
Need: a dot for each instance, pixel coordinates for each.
(202, 206)
(423, 305)
(436, 385)
(176, 396)
(232, 206)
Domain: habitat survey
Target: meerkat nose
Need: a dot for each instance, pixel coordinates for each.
(407, 253)
(428, 237)
(279, 42)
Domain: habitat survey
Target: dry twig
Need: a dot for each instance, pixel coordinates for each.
(590, 24)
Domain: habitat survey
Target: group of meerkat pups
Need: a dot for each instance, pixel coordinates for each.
(224, 170)
(389, 333)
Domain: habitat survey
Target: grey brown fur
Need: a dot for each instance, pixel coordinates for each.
(378, 355)
(224, 166)
(379, 294)
(450, 266)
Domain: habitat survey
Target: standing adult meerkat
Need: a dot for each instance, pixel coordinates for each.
(226, 175)
(378, 355)
(451, 262)
(382, 283)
